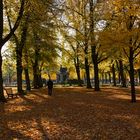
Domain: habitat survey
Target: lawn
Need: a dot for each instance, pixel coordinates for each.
(71, 114)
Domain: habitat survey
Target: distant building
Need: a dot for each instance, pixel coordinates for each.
(62, 75)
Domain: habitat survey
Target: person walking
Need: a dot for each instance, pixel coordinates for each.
(50, 86)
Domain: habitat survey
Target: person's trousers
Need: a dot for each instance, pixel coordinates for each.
(50, 91)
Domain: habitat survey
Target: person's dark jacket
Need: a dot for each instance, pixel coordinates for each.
(50, 84)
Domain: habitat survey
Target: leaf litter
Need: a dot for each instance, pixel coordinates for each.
(71, 114)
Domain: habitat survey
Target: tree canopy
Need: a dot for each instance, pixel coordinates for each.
(97, 40)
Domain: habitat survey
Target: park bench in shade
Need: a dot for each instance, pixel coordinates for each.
(10, 93)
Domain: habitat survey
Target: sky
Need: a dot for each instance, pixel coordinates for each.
(4, 48)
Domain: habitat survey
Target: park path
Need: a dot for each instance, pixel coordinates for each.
(71, 114)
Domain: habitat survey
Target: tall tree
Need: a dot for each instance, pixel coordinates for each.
(122, 75)
(75, 55)
(20, 41)
(5, 38)
(80, 30)
(26, 68)
(93, 47)
(19, 50)
(98, 51)
(124, 21)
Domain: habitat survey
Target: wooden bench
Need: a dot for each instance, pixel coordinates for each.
(10, 93)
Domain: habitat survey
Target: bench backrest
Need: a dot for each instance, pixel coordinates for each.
(9, 90)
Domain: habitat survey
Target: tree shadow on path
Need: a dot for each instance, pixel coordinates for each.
(5, 132)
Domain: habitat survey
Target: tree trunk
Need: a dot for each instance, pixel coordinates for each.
(130, 24)
(36, 69)
(78, 75)
(93, 48)
(28, 86)
(87, 73)
(118, 71)
(19, 49)
(131, 74)
(102, 74)
(109, 75)
(77, 68)
(114, 75)
(26, 70)
(96, 69)
(19, 70)
(123, 80)
(96, 77)
(40, 82)
(106, 78)
(35, 75)
(87, 69)
(139, 75)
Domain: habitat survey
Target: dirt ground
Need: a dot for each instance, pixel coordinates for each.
(71, 114)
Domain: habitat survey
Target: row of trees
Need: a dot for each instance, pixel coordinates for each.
(31, 38)
(90, 33)
(101, 32)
